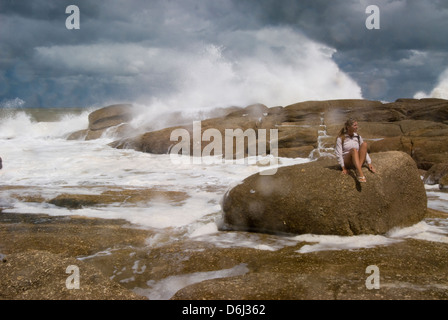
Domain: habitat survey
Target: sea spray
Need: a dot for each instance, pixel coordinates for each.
(42, 123)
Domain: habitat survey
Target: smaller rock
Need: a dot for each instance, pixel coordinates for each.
(78, 135)
(79, 201)
(435, 173)
(112, 120)
(443, 182)
(110, 116)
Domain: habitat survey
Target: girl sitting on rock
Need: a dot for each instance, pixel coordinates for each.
(351, 150)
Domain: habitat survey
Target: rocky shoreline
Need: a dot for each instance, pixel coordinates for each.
(417, 127)
(113, 259)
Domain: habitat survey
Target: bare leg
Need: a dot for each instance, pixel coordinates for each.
(362, 153)
(352, 160)
(355, 155)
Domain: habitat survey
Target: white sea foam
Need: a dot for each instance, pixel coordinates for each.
(46, 166)
(19, 124)
(435, 230)
(326, 243)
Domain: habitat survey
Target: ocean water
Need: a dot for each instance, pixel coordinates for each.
(40, 163)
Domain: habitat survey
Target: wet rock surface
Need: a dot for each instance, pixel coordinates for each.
(37, 250)
(114, 258)
(35, 275)
(406, 272)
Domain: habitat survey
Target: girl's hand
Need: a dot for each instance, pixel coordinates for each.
(344, 171)
(371, 168)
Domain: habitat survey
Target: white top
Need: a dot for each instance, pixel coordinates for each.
(349, 144)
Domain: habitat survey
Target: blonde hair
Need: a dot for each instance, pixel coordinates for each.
(344, 130)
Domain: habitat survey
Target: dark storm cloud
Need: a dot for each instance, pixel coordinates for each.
(405, 24)
(45, 64)
(386, 62)
(29, 29)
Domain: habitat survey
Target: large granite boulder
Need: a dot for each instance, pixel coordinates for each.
(317, 198)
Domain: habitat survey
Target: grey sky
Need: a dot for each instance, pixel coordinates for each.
(196, 53)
